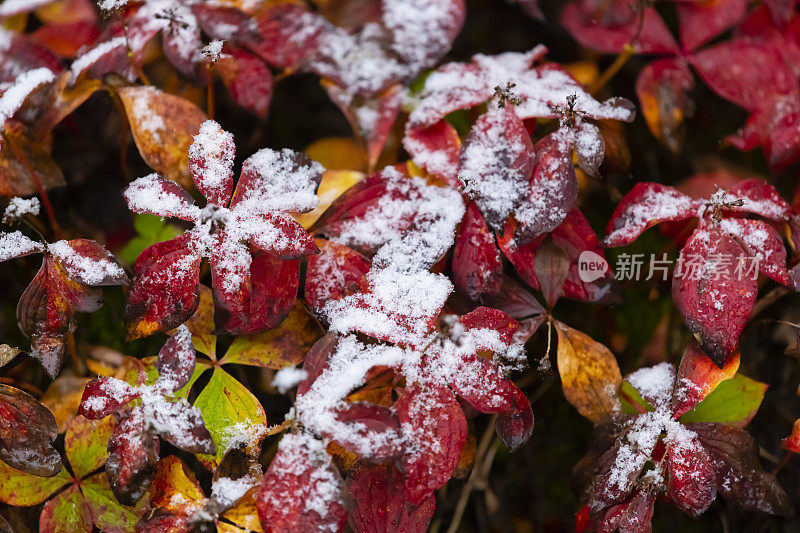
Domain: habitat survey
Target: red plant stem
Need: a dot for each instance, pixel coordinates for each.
(48, 206)
(210, 91)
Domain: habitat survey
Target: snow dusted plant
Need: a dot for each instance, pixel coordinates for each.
(355, 324)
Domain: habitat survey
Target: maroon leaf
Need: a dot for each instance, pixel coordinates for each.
(27, 430)
(691, 476)
(516, 301)
(477, 267)
(249, 81)
(87, 262)
(180, 424)
(644, 206)
(496, 164)
(272, 293)
(105, 395)
(439, 431)
(552, 267)
(289, 35)
(774, 125)
(173, 201)
(492, 319)
(164, 291)
(435, 148)
(763, 242)
(211, 162)
(132, 458)
(336, 272)
(175, 363)
(316, 361)
(515, 427)
(714, 298)
(760, 198)
(374, 423)
(633, 516)
(301, 490)
(662, 88)
(380, 503)
(740, 478)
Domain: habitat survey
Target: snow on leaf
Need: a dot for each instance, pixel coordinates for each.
(161, 197)
(435, 148)
(764, 243)
(19, 207)
(541, 88)
(439, 429)
(16, 244)
(644, 206)
(302, 489)
(87, 262)
(248, 80)
(477, 265)
(26, 83)
(713, 298)
(211, 162)
(336, 272)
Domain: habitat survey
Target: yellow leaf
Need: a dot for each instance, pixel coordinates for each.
(63, 397)
(589, 373)
(243, 515)
(338, 153)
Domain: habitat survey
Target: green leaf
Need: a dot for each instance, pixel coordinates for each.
(734, 401)
(150, 230)
(627, 407)
(231, 413)
(109, 515)
(149, 367)
(21, 489)
(66, 513)
(85, 443)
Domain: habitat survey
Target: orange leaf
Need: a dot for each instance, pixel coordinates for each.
(163, 126)
(589, 373)
(333, 184)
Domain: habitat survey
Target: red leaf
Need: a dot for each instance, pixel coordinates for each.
(103, 396)
(27, 430)
(132, 458)
(172, 200)
(374, 423)
(763, 242)
(435, 148)
(792, 442)
(301, 490)
(248, 80)
(760, 198)
(715, 310)
(337, 272)
(477, 266)
(552, 192)
(702, 21)
(272, 293)
(492, 319)
(176, 359)
(88, 262)
(22, 54)
(774, 125)
(496, 164)
(516, 301)
(740, 478)
(697, 377)
(744, 72)
(691, 476)
(574, 236)
(515, 427)
(289, 35)
(316, 361)
(381, 504)
(632, 516)
(611, 27)
(180, 424)
(164, 291)
(211, 162)
(439, 431)
(646, 205)
(292, 242)
(552, 267)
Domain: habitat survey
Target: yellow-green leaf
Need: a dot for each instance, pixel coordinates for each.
(21, 489)
(734, 401)
(232, 414)
(66, 513)
(86, 442)
(285, 345)
(109, 515)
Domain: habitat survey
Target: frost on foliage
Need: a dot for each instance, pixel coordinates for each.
(247, 236)
(19, 207)
(25, 83)
(133, 447)
(715, 282)
(542, 89)
(66, 283)
(653, 452)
